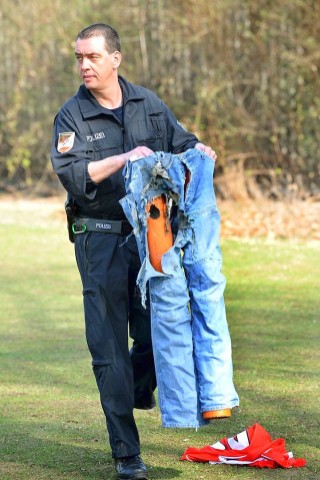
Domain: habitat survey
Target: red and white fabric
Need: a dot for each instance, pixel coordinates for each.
(253, 447)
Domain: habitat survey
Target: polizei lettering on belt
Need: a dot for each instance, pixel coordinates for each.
(103, 225)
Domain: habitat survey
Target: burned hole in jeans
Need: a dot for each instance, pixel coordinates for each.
(154, 212)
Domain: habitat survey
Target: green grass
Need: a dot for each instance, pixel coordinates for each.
(51, 424)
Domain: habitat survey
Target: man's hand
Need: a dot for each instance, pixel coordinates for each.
(139, 152)
(208, 150)
(101, 169)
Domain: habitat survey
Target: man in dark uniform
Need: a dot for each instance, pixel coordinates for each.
(108, 122)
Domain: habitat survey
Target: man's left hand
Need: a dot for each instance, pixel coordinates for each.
(208, 150)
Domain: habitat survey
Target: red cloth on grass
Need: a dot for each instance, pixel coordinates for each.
(254, 447)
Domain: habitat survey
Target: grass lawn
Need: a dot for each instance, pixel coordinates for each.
(51, 423)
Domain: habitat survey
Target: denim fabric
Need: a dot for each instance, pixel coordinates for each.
(191, 340)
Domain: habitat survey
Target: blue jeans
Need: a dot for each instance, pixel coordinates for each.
(191, 340)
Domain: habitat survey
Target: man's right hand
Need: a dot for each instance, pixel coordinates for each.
(101, 169)
(139, 152)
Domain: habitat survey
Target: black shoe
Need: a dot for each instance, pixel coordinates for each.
(131, 468)
(145, 404)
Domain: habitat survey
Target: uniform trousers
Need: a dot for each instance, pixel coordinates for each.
(108, 265)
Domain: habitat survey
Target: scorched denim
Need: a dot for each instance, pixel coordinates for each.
(191, 340)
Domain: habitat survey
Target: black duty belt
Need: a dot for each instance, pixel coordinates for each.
(84, 224)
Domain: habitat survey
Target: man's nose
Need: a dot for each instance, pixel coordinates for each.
(85, 64)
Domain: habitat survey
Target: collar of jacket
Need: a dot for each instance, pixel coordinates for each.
(90, 107)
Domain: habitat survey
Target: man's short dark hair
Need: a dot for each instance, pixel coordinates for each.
(111, 37)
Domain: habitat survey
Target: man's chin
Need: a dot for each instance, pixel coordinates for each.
(89, 83)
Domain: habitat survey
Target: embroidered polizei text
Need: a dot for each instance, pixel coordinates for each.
(95, 136)
(103, 225)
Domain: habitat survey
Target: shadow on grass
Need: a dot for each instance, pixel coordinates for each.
(25, 455)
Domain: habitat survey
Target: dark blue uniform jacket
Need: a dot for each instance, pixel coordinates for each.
(93, 133)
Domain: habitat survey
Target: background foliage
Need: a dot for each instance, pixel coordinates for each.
(242, 74)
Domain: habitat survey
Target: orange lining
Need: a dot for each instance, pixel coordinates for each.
(159, 233)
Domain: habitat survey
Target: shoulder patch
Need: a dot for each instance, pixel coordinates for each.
(65, 141)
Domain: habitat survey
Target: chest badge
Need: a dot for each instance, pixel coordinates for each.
(65, 141)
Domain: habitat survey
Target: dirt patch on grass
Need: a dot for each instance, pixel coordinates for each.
(32, 211)
(295, 220)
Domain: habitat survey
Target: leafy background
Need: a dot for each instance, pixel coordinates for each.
(242, 74)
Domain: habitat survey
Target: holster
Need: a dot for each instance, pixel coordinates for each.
(70, 209)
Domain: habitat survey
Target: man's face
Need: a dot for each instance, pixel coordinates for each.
(95, 65)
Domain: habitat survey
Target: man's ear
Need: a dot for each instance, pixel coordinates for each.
(117, 57)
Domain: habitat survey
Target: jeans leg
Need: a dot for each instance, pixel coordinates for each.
(173, 346)
(211, 338)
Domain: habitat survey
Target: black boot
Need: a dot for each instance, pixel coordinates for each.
(131, 468)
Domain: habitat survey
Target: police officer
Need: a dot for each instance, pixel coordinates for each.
(96, 132)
